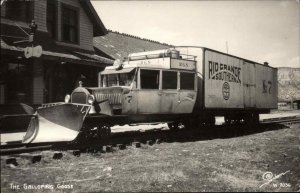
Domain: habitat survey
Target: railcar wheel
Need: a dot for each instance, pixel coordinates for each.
(208, 121)
(86, 134)
(191, 123)
(251, 119)
(175, 125)
(227, 120)
(171, 126)
(232, 120)
(256, 118)
(103, 131)
(211, 121)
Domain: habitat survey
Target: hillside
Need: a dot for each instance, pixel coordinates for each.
(288, 83)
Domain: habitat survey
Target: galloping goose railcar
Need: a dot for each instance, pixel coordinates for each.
(182, 86)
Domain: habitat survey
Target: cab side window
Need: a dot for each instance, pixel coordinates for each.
(112, 80)
(169, 80)
(187, 81)
(149, 79)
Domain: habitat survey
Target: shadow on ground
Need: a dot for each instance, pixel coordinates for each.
(185, 135)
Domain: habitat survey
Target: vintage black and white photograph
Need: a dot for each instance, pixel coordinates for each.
(150, 96)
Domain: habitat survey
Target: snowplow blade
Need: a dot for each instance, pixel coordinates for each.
(56, 122)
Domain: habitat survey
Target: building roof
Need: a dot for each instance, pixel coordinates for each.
(99, 28)
(117, 45)
(10, 44)
(72, 57)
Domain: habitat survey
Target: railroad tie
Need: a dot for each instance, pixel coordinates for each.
(158, 141)
(76, 153)
(33, 158)
(57, 155)
(10, 160)
(149, 142)
(136, 144)
(52, 155)
(129, 144)
(108, 148)
(114, 145)
(121, 146)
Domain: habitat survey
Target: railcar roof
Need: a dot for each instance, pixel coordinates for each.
(206, 48)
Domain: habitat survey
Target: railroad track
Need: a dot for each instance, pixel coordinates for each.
(137, 139)
(283, 120)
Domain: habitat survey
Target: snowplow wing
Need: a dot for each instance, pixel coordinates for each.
(56, 122)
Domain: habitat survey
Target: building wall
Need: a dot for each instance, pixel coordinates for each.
(3, 10)
(85, 40)
(38, 82)
(40, 14)
(40, 17)
(85, 26)
(15, 80)
(4, 20)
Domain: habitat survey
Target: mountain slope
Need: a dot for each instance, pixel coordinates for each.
(288, 83)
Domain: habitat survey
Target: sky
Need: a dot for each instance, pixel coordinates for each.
(256, 30)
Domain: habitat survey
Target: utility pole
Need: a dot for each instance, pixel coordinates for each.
(227, 47)
(227, 52)
(33, 27)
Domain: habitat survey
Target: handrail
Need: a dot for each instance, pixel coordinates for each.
(161, 55)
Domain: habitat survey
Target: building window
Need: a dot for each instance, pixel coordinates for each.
(16, 82)
(51, 18)
(169, 80)
(19, 10)
(187, 81)
(69, 24)
(149, 79)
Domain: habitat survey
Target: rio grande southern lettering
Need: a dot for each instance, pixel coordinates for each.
(219, 71)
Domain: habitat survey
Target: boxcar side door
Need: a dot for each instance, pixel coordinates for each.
(249, 84)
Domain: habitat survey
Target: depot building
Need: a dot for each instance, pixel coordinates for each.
(62, 52)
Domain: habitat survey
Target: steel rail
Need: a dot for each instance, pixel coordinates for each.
(20, 150)
(293, 119)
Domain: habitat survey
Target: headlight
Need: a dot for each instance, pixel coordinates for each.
(91, 99)
(67, 98)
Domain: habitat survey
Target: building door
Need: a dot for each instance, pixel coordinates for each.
(17, 83)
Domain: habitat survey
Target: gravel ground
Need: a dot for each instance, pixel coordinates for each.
(262, 161)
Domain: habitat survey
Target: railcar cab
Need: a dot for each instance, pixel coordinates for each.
(155, 82)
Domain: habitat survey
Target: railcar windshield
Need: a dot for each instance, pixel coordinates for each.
(117, 79)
